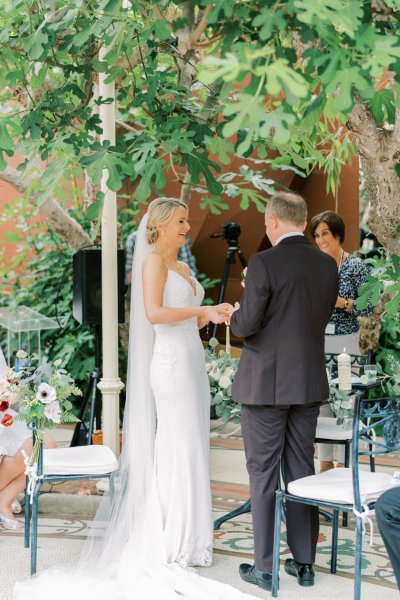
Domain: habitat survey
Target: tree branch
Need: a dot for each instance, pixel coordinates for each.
(201, 27)
(55, 215)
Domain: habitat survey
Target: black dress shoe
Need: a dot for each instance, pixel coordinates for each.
(304, 573)
(250, 574)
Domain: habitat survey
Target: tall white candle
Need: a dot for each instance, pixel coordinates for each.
(228, 338)
(344, 371)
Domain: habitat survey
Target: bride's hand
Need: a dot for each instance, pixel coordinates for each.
(219, 314)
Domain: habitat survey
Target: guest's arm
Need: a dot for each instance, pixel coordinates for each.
(248, 319)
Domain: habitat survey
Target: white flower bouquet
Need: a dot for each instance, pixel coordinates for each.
(41, 393)
(221, 370)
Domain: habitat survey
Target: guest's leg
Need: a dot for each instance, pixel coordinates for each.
(12, 477)
(387, 511)
(325, 451)
(263, 433)
(302, 521)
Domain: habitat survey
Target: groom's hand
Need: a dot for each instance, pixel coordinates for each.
(219, 313)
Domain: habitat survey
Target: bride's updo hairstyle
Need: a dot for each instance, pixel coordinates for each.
(159, 212)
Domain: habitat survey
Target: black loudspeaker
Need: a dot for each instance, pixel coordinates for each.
(87, 286)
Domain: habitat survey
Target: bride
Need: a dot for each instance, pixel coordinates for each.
(158, 520)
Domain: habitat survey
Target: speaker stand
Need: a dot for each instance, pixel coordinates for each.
(91, 397)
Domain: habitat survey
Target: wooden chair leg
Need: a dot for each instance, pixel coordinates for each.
(277, 544)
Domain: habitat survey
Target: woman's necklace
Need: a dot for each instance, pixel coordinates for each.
(174, 265)
(341, 260)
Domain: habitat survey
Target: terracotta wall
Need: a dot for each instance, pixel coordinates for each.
(211, 253)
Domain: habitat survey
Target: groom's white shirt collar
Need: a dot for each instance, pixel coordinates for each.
(286, 235)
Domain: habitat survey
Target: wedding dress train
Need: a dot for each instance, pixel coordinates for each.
(146, 554)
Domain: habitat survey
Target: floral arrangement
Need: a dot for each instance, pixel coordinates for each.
(41, 394)
(8, 381)
(342, 406)
(221, 370)
(342, 403)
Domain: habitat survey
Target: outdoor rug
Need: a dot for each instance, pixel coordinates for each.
(235, 537)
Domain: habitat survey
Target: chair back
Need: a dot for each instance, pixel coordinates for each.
(357, 362)
(376, 430)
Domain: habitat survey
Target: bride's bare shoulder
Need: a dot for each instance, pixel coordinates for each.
(154, 262)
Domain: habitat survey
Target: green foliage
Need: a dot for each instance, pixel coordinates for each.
(283, 75)
(221, 370)
(384, 278)
(40, 277)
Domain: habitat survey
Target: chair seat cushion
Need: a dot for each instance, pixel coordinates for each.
(336, 486)
(327, 429)
(80, 460)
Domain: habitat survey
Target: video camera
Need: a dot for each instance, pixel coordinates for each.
(230, 232)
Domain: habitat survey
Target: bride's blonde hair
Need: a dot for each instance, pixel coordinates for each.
(159, 212)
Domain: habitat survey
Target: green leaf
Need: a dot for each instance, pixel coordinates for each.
(114, 181)
(221, 148)
(6, 142)
(314, 111)
(383, 107)
(95, 210)
(252, 196)
(35, 43)
(344, 83)
(228, 68)
(282, 78)
(277, 124)
(198, 164)
(153, 170)
(215, 204)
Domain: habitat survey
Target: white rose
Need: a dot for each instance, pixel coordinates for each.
(53, 412)
(211, 365)
(46, 393)
(216, 374)
(229, 372)
(224, 381)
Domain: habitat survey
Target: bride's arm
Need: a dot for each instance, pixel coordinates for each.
(154, 275)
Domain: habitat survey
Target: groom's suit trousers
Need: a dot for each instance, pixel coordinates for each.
(272, 434)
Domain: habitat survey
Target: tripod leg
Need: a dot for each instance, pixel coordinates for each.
(81, 414)
(242, 259)
(93, 405)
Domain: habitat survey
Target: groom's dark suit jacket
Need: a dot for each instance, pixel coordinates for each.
(290, 293)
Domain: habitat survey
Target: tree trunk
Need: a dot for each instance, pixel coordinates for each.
(379, 150)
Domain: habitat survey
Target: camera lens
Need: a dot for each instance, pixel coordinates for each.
(231, 230)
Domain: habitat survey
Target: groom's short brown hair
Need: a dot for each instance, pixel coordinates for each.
(288, 207)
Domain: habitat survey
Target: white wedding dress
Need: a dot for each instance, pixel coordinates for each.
(146, 553)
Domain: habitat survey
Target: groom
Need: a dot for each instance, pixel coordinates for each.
(290, 293)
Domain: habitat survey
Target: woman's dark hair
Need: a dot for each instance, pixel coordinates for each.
(333, 221)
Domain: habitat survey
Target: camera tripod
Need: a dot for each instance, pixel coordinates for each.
(83, 433)
(233, 249)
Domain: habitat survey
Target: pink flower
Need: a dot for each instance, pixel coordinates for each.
(53, 412)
